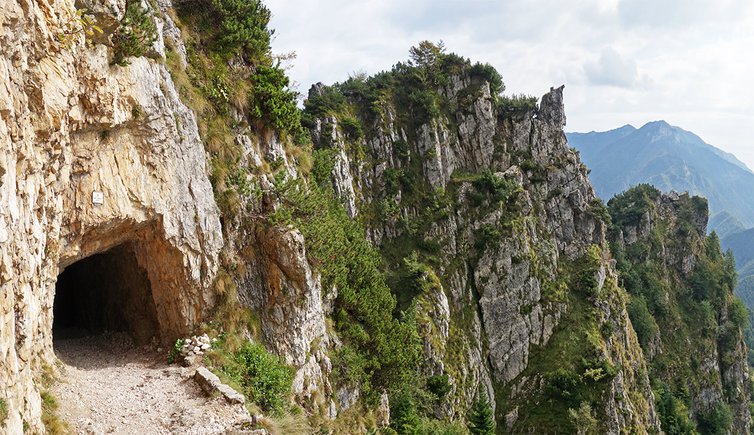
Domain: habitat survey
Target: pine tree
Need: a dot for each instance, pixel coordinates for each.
(481, 420)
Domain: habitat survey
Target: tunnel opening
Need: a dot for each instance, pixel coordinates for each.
(106, 292)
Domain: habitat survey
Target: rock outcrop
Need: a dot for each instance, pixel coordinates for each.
(92, 156)
(521, 210)
(286, 293)
(494, 245)
(211, 384)
(692, 322)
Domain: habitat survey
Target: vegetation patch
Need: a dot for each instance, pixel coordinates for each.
(717, 420)
(699, 308)
(53, 424)
(264, 379)
(516, 104)
(384, 348)
(481, 420)
(573, 366)
(135, 34)
(629, 207)
(232, 71)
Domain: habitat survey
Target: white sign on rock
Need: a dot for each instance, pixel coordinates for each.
(98, 198)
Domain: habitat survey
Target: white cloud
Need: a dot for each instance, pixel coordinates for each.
(696, 52)
(612, 69)
(670, 14)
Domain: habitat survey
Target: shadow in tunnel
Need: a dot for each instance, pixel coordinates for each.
(106, 292)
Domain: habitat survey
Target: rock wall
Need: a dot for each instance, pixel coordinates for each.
(95, 156)
(285, 291)
(75, 130)
(661, 239)
(492, 305)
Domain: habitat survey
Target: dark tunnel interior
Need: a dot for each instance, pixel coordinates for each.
(105, 292)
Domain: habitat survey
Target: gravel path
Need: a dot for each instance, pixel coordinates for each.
(110, 386)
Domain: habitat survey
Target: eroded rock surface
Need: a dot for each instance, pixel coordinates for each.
(493, 304)
(91, 156)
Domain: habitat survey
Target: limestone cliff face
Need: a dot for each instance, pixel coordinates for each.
(519, 294)
(96, 156)
(500, 264)
(286, 292)
(668, 262)
(91, 156)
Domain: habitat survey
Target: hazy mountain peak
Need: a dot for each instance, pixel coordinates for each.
(661, 130)
(669, 158)
(657, 124)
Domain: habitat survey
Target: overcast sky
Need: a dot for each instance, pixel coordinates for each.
(688, 62)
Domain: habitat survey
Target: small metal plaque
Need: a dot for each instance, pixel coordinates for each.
(98, 198)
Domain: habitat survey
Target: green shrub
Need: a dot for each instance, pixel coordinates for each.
(738, 313)
(499, 189)
(175, 350)
(265, 380)
(392, 179)
(3, 410)
(586, 275)
(707, 282)
(423, 104)
(439, 385)
(404, 417)
(243, 28)
(643, 322)
(273, 102)
(562, 383)
(400, 148)
(352, 127)
(583, 419)
(81, 23)
(480, 418)
(488, 73)
(516, 103)
(674, 416)
(717, 420)
(430, 426)
(349, 365)
(627, 208)
(597, 369)
(330, 101)
(598, 209)
(135, 34)
(427, 54)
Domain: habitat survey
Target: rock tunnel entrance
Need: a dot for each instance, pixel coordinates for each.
(108, 291)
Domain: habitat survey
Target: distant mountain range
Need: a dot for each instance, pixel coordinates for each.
(671, 158)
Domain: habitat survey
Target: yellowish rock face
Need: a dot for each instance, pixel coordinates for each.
(92, 156)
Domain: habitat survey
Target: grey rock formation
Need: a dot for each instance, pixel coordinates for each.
(552, 109)
(211, 384)
(503, 283)
(286, 293)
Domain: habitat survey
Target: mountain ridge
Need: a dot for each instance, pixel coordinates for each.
(674, 159)
(670, 158)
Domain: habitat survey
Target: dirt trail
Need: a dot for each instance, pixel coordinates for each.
(110, 386)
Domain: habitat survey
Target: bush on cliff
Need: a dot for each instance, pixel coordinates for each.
(265, 380)
(386, 346)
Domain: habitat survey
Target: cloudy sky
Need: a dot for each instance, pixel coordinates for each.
(688, 62)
